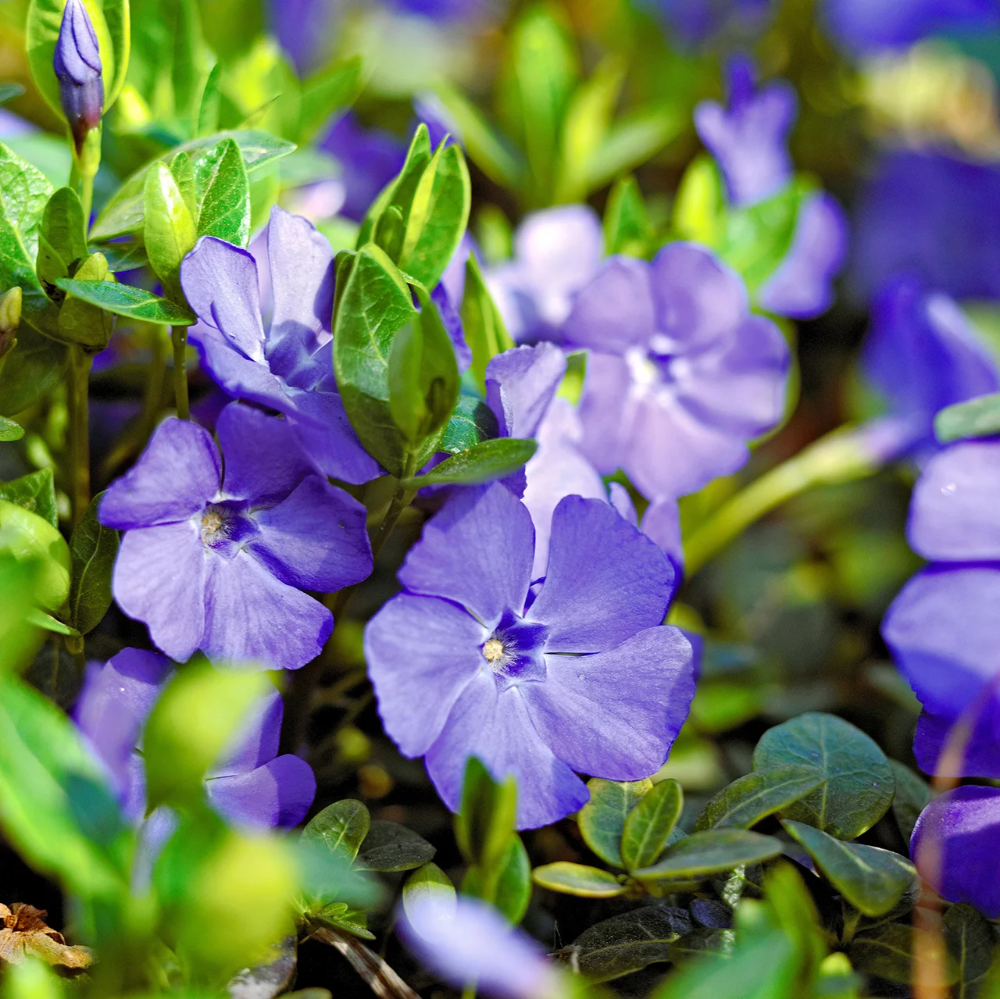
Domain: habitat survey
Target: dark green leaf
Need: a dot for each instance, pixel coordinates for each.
(649, 825)
(125, 300)
(31, 369)
(628, 942)
(62, 240)
(482, 323)
(80, 321)
(93, 549)
(712, 852)
(35, 492)
(871, 879)
(485, 462)
(9, 430)
(602, 819)
(340, 828)
(972, 944)
(627, 228)
(169, 231)
(428, 880)
(911, 798)
(485, 821)
(578, 879)
(124, 256)
(858, 785)
(223, 191)
(975, 418)
(886, 951)
(391, 847)
(751, 798)
(471, 423)
(326, 93)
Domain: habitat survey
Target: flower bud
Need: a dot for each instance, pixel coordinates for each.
(77, 65)
(10, 318)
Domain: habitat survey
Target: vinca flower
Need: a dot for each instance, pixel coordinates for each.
(252, 785)
(697, 21)
(574, 674)
(219, 562)
(290, 367)
(681, 376)
(77, 65)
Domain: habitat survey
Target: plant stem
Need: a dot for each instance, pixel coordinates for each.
(837, 457)
(179, 336)
(79, 374)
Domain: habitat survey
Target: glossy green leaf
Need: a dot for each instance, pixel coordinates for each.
(492, 459)
(971, 943)
(975, 418)
(182, 170)
(751, 798)
(711, 852)
(426, 881)
(124, 256)
(30, 538)
(341, 829)
(578, 879)
(35, 492)
(125, 300)
(326, 93)
(627, 228)
(886, 951)
(62, 240)
(629, 942)
(858, 782)
(9, 430)
(207, 120)
(391, 847)
(81, 321)
(649, 825)
(511, 892)
(871, 879)
(484, 825)
(911, 798)
(482, 323)
(223, 191)
(471, 423)
(169, 230)
(93, 549)
(400, 193)
(602, 818)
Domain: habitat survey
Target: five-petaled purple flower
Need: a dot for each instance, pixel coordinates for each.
(290, 367)
(251, 785)
(219, 563)
(681, 376)
(576, 673)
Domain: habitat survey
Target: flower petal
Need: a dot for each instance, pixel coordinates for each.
(328, 437)
(520, 385)
(606, 411)
(980, 747)
(257, 741)
(615, 310)
(421, 652)
(278, 793)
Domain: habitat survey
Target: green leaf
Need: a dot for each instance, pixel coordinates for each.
(123, 214)
(512, 891)
(975, 418)
(125, 300)
(223, 191)
(627, 228)
(649, 825)
(340, 829)
(751, 798)
(471, 423)
(35, 492)
(602, 818)
(795, 913)
(628, 942)
(169, 231)
(9, 430)
(484, 825)
(871, 879)
(699, 209)
(482, 323)
(631, 141)
(911, 798)
(207, 120)
(886, 951)
(426, 881)
(485, 462)
(711, 852)
(93, 549)
(327, 92)
(31, 369)
(971, 944)
(29, 538)
(124, 256)
(62, 240)
(390, 847)
(8, 91)
(858, 782)
(54, 806)
(80, 321)
(578, 879)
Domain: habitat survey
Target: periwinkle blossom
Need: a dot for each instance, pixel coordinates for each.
(696, 22)
(289, 367)
(944, 627)
(556, 252)
(680, 376)
(77, 66)
(465, 940)
(219, 562)
(575, 673)
(250, 785)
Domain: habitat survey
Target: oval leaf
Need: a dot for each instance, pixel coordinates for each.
(340, 828)
(223, 192)
(428, 880)
(9, 430)
(93, 549)
(751, 798)
(124, 300)
(578, 879)
(975, 418)
(712, 852)
(391, 847)
(487, 461)
(602, 819)
(649, 825)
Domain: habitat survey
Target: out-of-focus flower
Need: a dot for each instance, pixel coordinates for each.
(219, 564)
(574, 674)
(290, 367)
(695, 22)
(681, 376)
(305, 28)
(252, 785)
(450, 10)
(955, 845)
(933, 216)
(943, 628)
(464, 940)
(556, 252)
(77, 65)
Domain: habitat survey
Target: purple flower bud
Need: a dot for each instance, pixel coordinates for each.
(77, 65)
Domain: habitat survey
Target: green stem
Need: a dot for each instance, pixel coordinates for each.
(179, 336)
(837, 457)
(79, 374)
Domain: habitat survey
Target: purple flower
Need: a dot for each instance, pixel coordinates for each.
(251, 786)
(697, 21)
(305, 28)
(464, 940)
(933, 216)
(219, 564)
(556, 252)
(77, 65)
(448, 10)
(943, 628)
(576, 673)
(681, 376)
(290, 367)
(955, 845)
(922, 355)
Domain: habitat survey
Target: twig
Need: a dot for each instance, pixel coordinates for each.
(381, 979)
